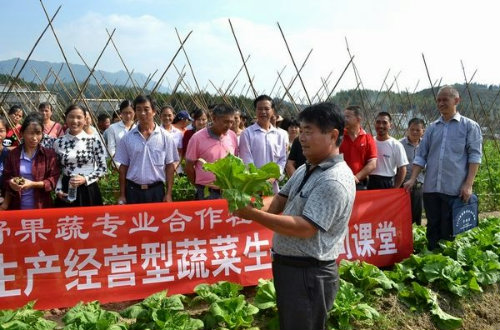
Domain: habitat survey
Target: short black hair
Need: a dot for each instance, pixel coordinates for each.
(326, 116)
(165, 107)
(73, 107)
(287, 122)
(33, 117)
(103, 117)
(198, 113)
(125, 104)
(416, 121)
(356, 109)
(222, 110)
(15, 108)
(264, 98)
(384, 113)
(140, 99)
(44, 105)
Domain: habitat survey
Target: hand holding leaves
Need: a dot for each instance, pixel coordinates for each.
(242, 185)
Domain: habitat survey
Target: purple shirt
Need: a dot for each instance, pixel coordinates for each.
(260, 147)
(27, 195)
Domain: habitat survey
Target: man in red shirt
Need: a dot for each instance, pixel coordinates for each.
(358, 147)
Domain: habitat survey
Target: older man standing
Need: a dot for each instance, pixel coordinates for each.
(261, 142)
(210, 144)
(310, 219)
(451, 153)
(147, 154)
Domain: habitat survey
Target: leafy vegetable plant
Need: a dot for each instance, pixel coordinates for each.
(365, 276)
(242, 185)
(348, 307)
(231, 313)
(159, 312)
(91, 316)
(24, 318)
(216, 292)
(265, 301)
(419, 298)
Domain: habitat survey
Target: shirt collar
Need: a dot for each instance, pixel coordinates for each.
(79, 136)
(24, 157)
(213, 135)
(257, 127)
(361, 131)
(155, 130)
(407, 141)
(329, 162)
(456, 117)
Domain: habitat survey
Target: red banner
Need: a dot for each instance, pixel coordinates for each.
(117, 253)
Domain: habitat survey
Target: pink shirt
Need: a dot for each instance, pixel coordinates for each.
(207, 146)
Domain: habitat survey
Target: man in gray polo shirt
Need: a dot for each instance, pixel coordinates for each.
(310, 218)
(147, 154)
(416, 129)
(451, 153)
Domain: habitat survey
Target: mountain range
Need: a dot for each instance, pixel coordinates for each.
(42, 69)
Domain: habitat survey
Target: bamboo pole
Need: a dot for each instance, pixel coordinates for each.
(170, 64)
(243, 59)
(294, 64)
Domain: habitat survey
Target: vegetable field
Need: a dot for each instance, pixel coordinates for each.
(455, 287)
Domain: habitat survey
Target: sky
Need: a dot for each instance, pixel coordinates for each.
(385, 37)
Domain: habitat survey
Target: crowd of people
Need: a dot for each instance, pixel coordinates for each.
(325, 152)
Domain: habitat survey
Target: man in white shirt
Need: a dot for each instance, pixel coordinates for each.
(391, 157)
(116, 131)
(261, 142)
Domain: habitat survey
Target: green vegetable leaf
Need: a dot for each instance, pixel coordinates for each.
(242, 185)
(92, 316)
(233, 313)
(265, 297)
(25, 318)
(211, 293)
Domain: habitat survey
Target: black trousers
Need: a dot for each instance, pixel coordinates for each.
(380, 182)
(439, 219)
(200, 193)
(85, 195)
(305, 294)
(135, 195)
(362, 185)
(416, 197)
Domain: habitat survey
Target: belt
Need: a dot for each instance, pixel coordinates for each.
(144, 186)
(301, 262)
(209, 188)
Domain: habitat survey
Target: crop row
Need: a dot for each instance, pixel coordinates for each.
(459, 268)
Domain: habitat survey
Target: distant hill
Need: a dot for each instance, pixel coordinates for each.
(81, 72)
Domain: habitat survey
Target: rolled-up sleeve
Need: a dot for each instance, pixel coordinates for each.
(474, 143)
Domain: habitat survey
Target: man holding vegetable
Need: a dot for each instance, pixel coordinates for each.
(310, 218)
(209, 145)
